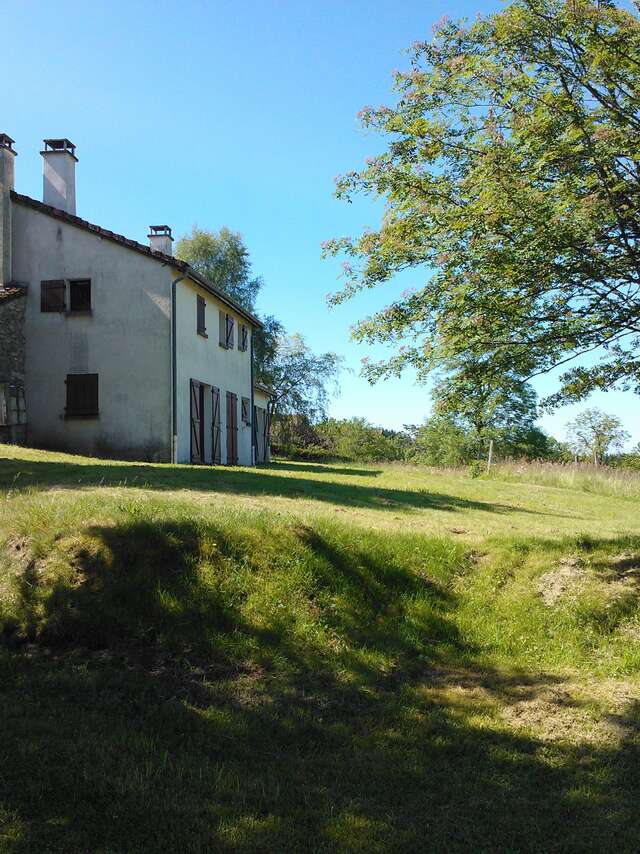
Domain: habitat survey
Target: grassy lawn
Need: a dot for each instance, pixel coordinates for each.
(314, 658)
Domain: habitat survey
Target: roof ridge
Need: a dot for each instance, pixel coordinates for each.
(72, 219)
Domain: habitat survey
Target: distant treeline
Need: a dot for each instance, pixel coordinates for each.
(437, 442)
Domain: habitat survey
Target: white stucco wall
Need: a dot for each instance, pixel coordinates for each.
(126, 341)
(203, 359)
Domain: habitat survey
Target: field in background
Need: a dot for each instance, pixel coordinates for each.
(315, 658)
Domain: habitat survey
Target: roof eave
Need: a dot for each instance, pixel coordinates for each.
(121, 240)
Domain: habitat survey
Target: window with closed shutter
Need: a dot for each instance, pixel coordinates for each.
(222, 332)
(246, 403)
(79, 295)
(202, 327)
(52, 295)
(243, 338)
(82, 394)
(229, 339)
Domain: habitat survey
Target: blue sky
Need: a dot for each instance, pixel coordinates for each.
(238, 114)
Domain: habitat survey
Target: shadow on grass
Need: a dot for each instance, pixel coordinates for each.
(17, 475)
(153, 716)
(324, 468)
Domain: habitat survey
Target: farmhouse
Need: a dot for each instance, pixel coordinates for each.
(112, 347)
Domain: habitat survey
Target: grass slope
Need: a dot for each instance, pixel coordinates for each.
(313, 658)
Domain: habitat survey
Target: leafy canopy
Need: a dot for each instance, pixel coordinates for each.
(223, 259)
(481, 401)
(511, 177)
(302, 382)
(593, 433)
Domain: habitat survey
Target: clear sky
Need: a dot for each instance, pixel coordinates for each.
(230, 113)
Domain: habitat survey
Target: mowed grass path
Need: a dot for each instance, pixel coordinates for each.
(313, 658)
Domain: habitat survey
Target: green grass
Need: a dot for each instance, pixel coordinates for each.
(313, 658)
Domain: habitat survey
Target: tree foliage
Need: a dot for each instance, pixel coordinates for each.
(302, 382)
(222, 258)
(512, 182)
(481, 400)
(594, 434)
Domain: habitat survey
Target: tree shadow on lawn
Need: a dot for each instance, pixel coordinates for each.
(321, 468)
(151, 716)
(17, 475)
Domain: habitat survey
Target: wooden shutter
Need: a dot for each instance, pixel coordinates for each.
(82, 394)
(197, 424)
(52, 295)
(215, 426)
(222, 326)
(232, 429)
(243, 338)
(265, 434)
(229, 332)
(254, 432)
(245, 410)
(202, 328)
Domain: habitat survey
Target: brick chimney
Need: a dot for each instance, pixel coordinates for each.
(160, 239)
(59, 176)
(7, 157)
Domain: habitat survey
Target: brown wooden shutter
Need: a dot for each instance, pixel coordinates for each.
(202, 328)
(197, 424)
(222, 326)
(215, 426)
(243, 343)
(82, 394)
(232, 429)
(52, 295)
(230, 325)
(254, 432)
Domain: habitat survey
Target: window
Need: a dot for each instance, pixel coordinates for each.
(243, 338)
(52, 294)
(80, 295)
(82, 394)
(226, 331)
(202, 327)
(246, 404)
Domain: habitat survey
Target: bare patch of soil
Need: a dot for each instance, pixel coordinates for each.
(567, 578)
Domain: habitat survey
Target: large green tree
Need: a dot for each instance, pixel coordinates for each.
(595, 434)
(223, 259)
(511, 176)
(483, 401)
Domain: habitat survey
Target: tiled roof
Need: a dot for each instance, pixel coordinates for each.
(9, 292)
(136, 247)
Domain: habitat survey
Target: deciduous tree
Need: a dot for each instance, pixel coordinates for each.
(511, 177)
(594, 434)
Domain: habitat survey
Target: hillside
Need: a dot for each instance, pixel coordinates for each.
(314, 658)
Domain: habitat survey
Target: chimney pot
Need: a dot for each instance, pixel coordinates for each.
(160, 239)
(59, 176)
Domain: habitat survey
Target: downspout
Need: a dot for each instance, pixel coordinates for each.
(174, 373)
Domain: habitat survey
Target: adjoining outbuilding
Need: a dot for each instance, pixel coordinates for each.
(113, 347)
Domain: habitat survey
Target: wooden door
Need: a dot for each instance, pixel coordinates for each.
(215, 426)
(197, 422)
(232, 429)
